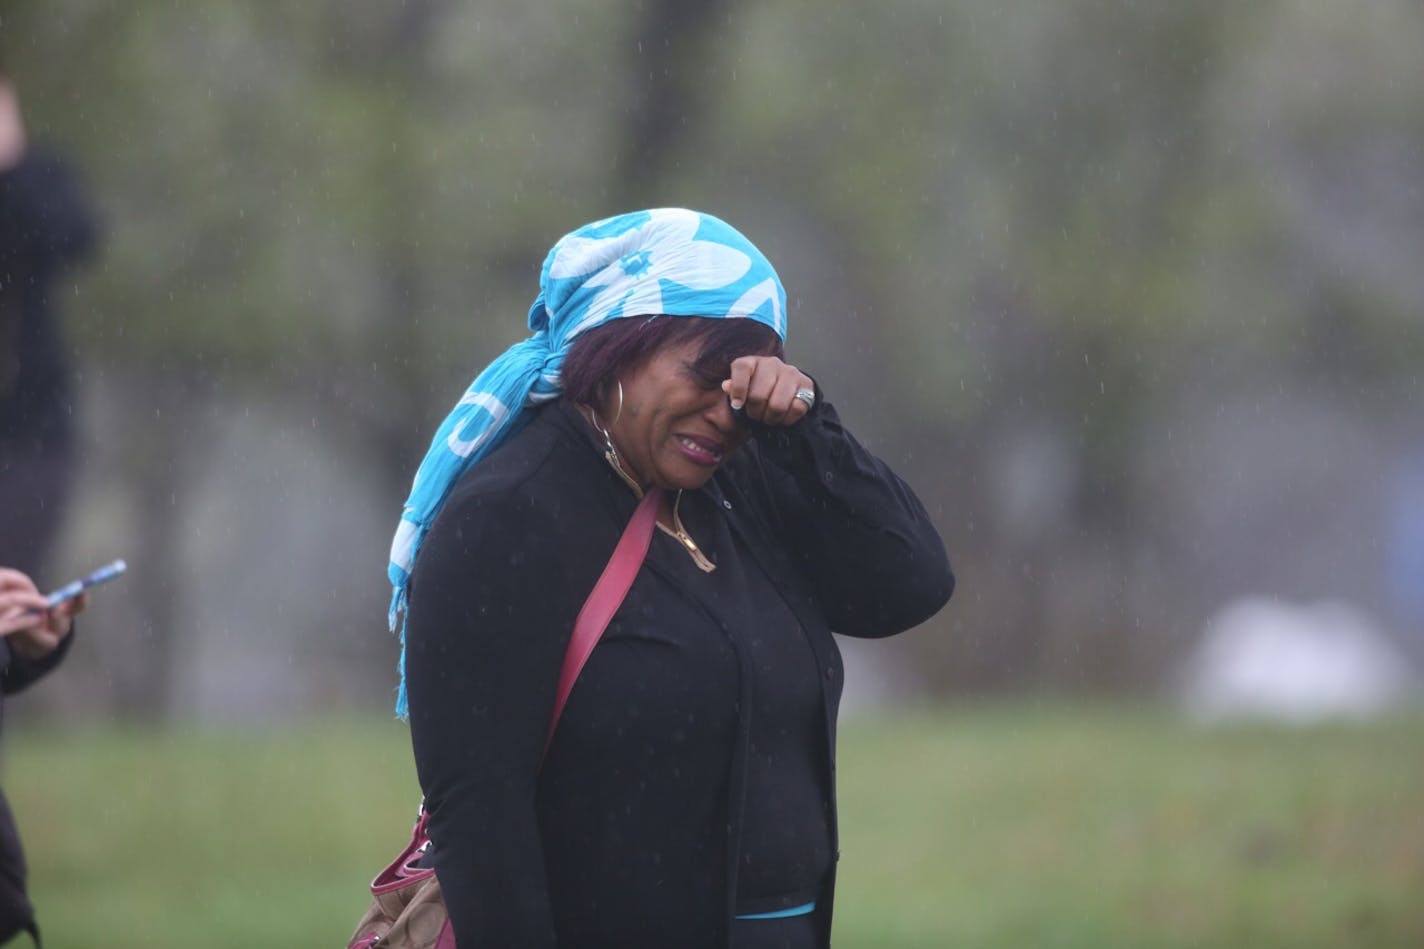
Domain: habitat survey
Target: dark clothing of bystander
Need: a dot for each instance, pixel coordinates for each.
(16, 913)
(46, 225)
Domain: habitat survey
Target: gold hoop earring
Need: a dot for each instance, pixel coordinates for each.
(607, 438)
(619, 414)
(611, 454)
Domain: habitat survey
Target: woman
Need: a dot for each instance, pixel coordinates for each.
(687, 797)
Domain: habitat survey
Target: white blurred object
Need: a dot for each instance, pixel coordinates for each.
(1266, 658)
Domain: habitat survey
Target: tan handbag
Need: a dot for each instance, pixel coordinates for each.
(407, 910)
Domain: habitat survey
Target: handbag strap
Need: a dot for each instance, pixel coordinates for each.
(593, 618)
(607, 596)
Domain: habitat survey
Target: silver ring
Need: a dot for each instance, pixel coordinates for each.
(807, 396)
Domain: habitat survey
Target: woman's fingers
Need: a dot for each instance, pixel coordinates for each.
(766, 387)
(22, 601)
(12, 579)
(782, 407)
(21, 609)
(73, 606)
(13, 624)
(761, 388)
(738, 380)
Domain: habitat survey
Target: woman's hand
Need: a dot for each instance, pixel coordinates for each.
(33, 628)
(766, 389)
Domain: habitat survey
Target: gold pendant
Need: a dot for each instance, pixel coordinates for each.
(679, 533)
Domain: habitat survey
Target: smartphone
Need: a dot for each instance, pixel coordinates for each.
(70, 590)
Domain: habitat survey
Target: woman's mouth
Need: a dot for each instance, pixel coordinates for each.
(703, 451)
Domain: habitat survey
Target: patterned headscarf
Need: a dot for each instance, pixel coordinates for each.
(666, 261)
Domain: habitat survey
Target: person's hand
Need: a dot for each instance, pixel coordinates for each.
(769, 390)
(33, 629)
(12, 127)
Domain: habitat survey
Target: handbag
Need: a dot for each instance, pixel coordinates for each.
(407, 910)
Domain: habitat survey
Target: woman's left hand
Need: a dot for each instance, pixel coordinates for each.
(765, 388)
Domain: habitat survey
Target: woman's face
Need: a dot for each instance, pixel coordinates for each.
(675, 427)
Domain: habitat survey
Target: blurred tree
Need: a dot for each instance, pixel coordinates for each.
(674, 62)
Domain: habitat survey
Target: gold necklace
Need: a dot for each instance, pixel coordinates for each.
(683, 537)
(677, 531)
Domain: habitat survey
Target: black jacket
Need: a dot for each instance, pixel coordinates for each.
(46, 224)
(631, 836)
(16, 914)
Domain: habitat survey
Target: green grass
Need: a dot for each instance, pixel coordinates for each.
(1015, 826)
(1080, 828)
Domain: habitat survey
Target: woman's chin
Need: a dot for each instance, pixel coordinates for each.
(685, 476)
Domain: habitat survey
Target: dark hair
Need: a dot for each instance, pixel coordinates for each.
(604, 353)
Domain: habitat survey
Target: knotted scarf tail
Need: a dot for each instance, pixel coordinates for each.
(397, 625)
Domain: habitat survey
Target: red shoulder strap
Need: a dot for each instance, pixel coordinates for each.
(593, 618)
(607, 596)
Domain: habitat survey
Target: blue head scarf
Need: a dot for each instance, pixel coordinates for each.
(666, 261)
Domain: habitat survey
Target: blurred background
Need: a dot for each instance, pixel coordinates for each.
(1130, 292)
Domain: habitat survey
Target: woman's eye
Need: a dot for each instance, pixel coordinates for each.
(705, 378)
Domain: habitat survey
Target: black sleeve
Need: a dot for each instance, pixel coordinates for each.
(858, 533)
(18, 673)
(486, 633)
(45, 212)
